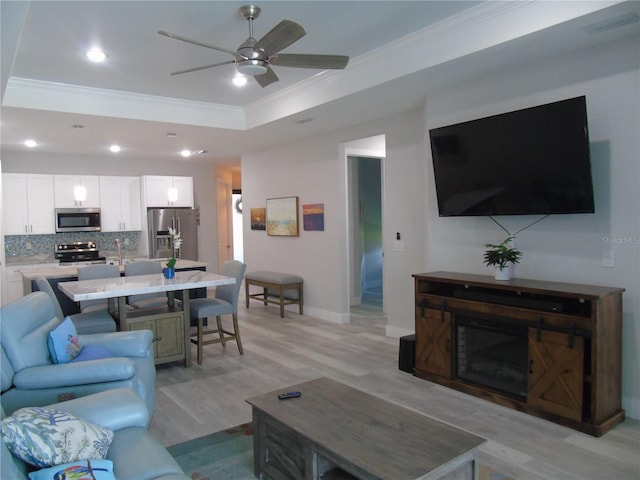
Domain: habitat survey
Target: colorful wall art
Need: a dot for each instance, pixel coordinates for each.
(258, 219)
(282, 216)
(313, 216)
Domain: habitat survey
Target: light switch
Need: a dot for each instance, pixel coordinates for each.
(608, 259)
(398, 245)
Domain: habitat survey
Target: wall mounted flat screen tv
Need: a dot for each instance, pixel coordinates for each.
(527, 162)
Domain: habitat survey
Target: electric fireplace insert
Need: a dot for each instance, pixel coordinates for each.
(493, 354)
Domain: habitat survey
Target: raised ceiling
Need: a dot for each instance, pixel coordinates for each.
(400, 51)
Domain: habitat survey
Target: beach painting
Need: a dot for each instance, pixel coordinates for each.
(313, 216)
(282, 216)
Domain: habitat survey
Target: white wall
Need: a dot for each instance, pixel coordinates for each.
(315, 170)
(203, 182)
(561, 248)
(566, 248)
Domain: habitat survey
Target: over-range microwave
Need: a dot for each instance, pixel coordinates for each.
(78, 220)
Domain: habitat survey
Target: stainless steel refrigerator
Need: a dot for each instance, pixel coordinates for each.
(181, 219)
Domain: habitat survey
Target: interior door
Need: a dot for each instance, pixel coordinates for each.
(225, 228)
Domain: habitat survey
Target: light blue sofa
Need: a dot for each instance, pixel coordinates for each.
(30, 378)
(135, 453)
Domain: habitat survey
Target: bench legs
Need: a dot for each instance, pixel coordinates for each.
(274, 287)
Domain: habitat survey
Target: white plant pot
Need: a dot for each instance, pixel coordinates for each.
(503, 273)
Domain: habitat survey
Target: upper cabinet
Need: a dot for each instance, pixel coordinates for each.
(77, 191)
(120, 204)
(163, 191)
(28, 204)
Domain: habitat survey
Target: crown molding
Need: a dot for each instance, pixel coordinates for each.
(486, 25)
(483, 26)
(60, 97)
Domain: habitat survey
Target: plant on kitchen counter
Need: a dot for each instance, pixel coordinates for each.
(176, 241)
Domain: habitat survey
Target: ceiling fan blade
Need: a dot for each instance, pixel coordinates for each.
(266, 78)
(280, 37)
(336, 62)
(195, 42)
(195, 69)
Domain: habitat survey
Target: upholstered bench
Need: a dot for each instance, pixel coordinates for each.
(279, 288)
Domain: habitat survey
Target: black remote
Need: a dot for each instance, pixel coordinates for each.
(284, 396)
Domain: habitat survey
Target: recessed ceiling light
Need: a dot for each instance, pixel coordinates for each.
(96, 55)
(115, 148)
(30, 143)
(185, 153)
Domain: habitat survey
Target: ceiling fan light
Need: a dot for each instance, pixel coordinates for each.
(239, 80)
(252, 67)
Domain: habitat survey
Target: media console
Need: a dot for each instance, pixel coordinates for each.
(549, 349)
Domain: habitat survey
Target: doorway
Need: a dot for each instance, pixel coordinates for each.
(369, 184)
(225, 225)
(364, 159)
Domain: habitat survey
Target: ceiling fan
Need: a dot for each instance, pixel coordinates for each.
(255, 57)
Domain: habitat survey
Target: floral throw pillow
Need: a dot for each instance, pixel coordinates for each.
(82, 470)
(44, 437)
(63, 342)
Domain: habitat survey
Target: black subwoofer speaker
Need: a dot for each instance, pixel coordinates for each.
(407, 354)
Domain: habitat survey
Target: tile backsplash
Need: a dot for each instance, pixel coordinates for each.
(44, 245)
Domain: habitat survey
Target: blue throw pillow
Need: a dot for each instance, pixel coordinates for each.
(63, 342)
(92, 352)
(94, 469)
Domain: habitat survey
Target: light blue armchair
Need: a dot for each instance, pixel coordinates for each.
(30, 378)
(135, 453)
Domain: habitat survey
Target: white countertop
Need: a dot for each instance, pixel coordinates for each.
(102, 288)
(32, 272)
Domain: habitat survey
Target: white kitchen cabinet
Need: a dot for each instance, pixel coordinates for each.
(157, 191)
(65, 186)
(120, 209)
(28, 204)
(13, 286)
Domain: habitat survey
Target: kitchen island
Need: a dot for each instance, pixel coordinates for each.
(56, 274)
(169, 324)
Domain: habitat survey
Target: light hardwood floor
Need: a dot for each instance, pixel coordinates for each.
(280, 352)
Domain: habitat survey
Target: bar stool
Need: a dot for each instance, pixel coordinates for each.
(224, 303)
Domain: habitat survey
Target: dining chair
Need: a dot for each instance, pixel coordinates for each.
(225, 302)
(95, 321)
(92, 272)
(147, 300)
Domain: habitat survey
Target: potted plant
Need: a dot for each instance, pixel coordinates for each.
(176, 241)
(502, 257)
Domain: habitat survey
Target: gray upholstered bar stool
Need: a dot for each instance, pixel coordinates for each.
(148, 300)
(224, 303)
(97, 321)
(92, 272)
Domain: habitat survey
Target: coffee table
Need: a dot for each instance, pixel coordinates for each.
(334, 431)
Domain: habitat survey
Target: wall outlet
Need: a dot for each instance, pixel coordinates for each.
(608, 259)
(27, 245)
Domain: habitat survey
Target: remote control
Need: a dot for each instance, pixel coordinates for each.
(284, 396)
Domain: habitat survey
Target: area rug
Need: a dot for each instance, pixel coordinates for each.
(228, 455)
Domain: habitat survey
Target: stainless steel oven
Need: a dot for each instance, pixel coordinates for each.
(78, 220)
(78, 253)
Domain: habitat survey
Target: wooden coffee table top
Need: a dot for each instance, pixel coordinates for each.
(384, 439)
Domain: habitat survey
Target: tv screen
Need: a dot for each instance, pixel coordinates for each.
(528, 162)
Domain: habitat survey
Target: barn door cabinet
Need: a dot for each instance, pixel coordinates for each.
(558, 345)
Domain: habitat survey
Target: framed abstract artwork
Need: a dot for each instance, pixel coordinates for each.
(282, 216)
(313, 216)
(258, 219)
